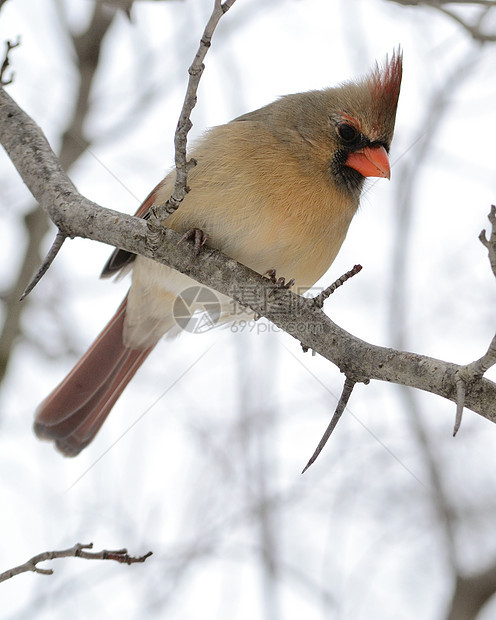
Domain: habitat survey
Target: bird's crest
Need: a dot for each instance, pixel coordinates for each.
(385, 81)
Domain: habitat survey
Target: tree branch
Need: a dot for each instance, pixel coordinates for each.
(490, 243)
(78, 551)
(475, 370)
(6, 61)
(184, 124)
(467, 375)
(47, 261)
(327, 292)
(349, 384)
(77, 216)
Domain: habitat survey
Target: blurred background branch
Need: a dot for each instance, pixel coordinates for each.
(87, 47)
(474, 25)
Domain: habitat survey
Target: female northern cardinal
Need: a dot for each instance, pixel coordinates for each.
(274, 189)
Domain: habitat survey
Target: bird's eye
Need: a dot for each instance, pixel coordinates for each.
(346, 132)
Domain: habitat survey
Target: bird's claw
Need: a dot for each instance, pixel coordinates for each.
(278, 282)
(198, 237)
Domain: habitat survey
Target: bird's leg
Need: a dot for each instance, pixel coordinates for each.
(198, 237)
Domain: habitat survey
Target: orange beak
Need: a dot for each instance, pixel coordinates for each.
(370, 162)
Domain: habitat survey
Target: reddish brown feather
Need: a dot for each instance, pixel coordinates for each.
(387, 79)
(149, 201)
(385, 83)
(76, 409)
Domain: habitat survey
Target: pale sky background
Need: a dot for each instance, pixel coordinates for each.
(361, 540)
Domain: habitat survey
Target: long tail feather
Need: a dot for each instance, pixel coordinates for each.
(76, 409)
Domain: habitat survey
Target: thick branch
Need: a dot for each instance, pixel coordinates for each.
(77, 216)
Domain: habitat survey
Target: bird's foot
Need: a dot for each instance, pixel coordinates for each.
(198, 237)
(278, 282)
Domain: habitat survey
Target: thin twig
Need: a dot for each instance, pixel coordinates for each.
(349, 384)
(78, 551)
(49, 258)
(183, 165)
(479, 367)
(490, 243)
(320, 299)
(6, 61)
(467, 375)
(476, 369)
(461, 390)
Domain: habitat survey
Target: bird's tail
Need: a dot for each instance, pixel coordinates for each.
(73, 413)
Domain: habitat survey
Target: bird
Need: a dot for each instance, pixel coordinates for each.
(275, 189)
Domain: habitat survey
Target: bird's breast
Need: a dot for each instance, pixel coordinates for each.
(283, 221)
(258, 205)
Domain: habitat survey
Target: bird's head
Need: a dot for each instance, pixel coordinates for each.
(345, 131)
(363, 122)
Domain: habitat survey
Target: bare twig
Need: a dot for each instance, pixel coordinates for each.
(349, 384)
(184, 124)
(6, 61)
(480, 366)
(466, 375)
(490, 243)
(50, 257)
(320, 299)
(78, 551)
(461, 390)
